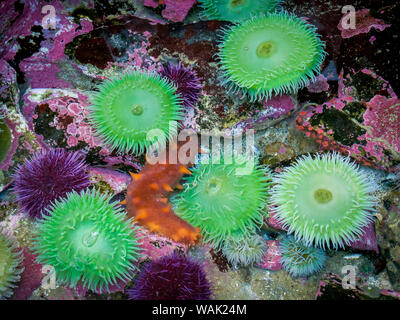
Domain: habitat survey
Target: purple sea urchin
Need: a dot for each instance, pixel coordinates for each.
(172, 277)
(236, 10)
(47, 177)
(221, 203)
(244, 251)
(273, 54)
(10, 266)
(324, 201)
(187, 81)
(300, 260)
(88, 241)
(128, 107)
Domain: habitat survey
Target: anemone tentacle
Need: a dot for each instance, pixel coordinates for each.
(10, 266)
(221, 203)
(236, 10)
(278, 53)
(325, 201)
(130, 106)
(88, 241)
(300, 260)
(244, 250)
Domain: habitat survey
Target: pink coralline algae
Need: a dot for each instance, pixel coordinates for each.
(117, 181)
(71, 118)
(41, 68)
(319, 85)
(367, 240)
(331, 284)
(364, 23)
(365, 143)
(278, 106)
(155, 246)
(31, 278)
(37, 69)
(274, 108)
(144, 11)
(272, 257)
(382, 118)
(391, 293)
(138, 55)
(175, 10)
(78, 130)
(151, 3)
(372, 39)
(8, 84)
(20, 27)
(272, 220)
(8, 14)
(70, 121)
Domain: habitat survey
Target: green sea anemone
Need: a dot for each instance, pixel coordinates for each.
(87, 241)
(221, 203)
(273, 54)
(300, 260)
(236, 10)
(245, 250)
(128, 107)
(324, 201)
(10, 266)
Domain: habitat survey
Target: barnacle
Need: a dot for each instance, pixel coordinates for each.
(128, 108)
(236, 10)
(272, 54)
(88, 241)
(324, 201)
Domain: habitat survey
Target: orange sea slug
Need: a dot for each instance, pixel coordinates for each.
(147, 201)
